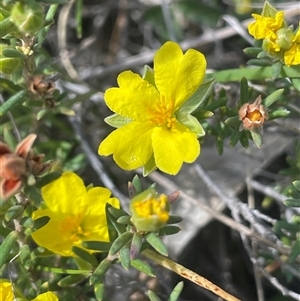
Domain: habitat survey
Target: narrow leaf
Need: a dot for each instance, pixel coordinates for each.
(256, 136)
(244, 96)
(136, 245)
(124, 256)
(120, 242)
(7, 246)
(13, 212)
(71, 280)
(85, 255)
(100, 271)
(40, 222)
(168, 230)
(268, 101)
(292, 202)
(295, 251)
(125, 220)
(152, 296)
(101, 246)
(157, 244)
(136, 182)
(176, 291)
(296, 184)
(13, 101)
(143, 267)
(99, 289)
(117, 213)
(174, 219)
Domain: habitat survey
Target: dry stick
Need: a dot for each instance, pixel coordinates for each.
(146, 57)
(217, 215)
(187, 274)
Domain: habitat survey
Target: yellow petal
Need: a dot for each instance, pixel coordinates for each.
(49, 296)
(130, 145)
(65, 194)
(94, 220)
(172, 148)
(50, 236)
(6, 290)
(133, 99)
(178, 76)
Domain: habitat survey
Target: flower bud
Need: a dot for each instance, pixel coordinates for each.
(253, 115)
(284, 38)
(28, 16)
(150, 211)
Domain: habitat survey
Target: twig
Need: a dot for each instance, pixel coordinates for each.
(219, 216)
(146, 57)
(188, 274)
(62, 39)
(96, 163)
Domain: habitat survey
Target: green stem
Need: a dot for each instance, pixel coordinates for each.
(253, 73)
(188, 274)
(49, 17)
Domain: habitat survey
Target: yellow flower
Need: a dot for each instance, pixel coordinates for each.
(49, 296)
(76, 214)
(266, 27)
(155, 131)
(7, 293)
(150, 211)
(292, 56)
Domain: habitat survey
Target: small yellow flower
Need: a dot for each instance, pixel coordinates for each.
(7, 293)
(155, 131)
(150, 211)
(253, 115)
(266, 27)
(292, 56)
(76, 214)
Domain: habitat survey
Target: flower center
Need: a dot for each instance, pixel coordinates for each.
(163, 115)
(150, 207)
(254, 116)
(71, 226)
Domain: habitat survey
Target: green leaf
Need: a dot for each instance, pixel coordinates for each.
(136, 245)
(117, 121)
(85, 255)
(176, 291)
(13, 212)
(197, 98)
(48, 179)
(124, 256)
(101, 246)
(216, 104)
(99, 289)
(25, 256)
(292, 202)
(117, 212)
(62, 270)
(78, 19)
(168, 230)
(259, 62)
(126, 220)
(70, 280)
(191, 122)
(120, 242)
(137, 184)
(148, 75)
(244, 140)
(276, 69)
(256, 136)
(40, 222)
(296, 184)
(296, 83)
(7, 246)
(244, 95)
(157, 244)
(10, 52)
(100, 271)
(174, 219)
(202, 114)
(232, 121)
(295, 252)
(235, 137)
(252, 51)
(149, 167)
(114, 228)
(143, 267)
(13, 101)
(278, 114)
(268, 101)
(152, 296)
(6, 26)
